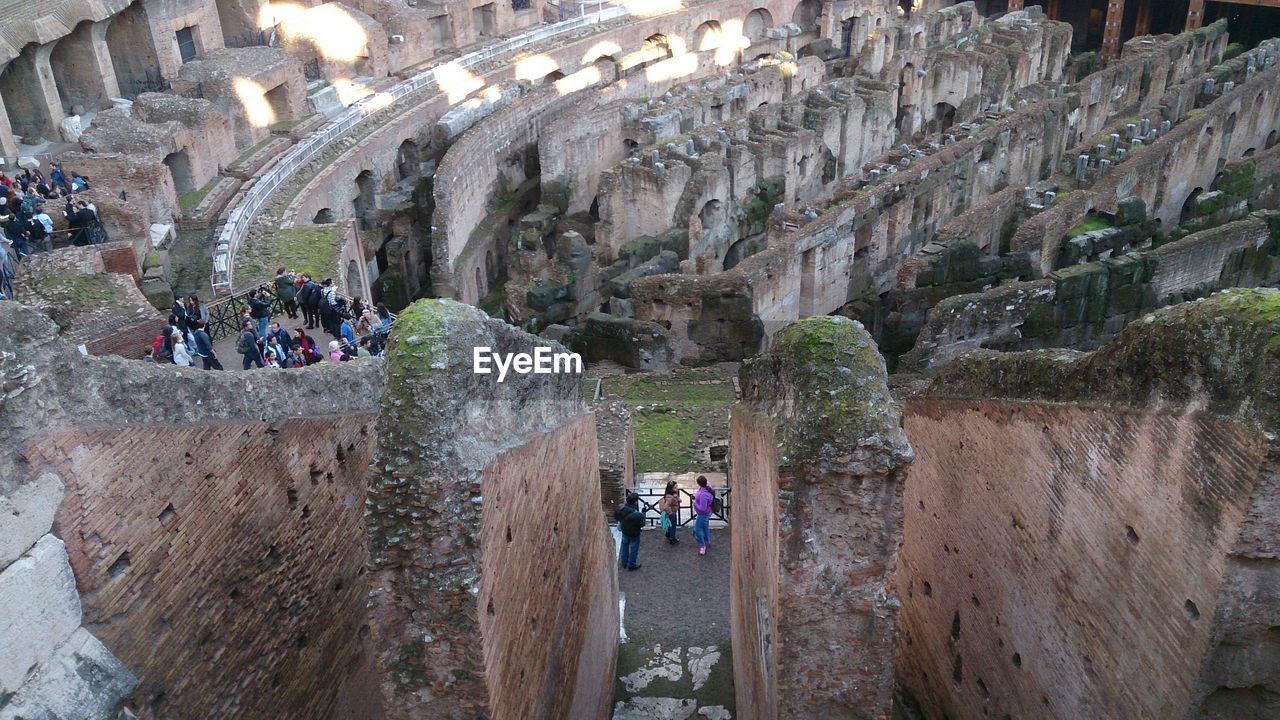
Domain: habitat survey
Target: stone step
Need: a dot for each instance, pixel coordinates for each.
(248, 165)
(206, 213)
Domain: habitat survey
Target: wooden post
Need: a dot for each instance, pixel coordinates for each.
(1195, 15)
(1111, 31)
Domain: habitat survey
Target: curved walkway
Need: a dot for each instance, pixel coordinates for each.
(242, 217)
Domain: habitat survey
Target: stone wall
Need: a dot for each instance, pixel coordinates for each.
(1082, 306)
(187, 564)
(464, 503)
(817, 463)
(1093, 535)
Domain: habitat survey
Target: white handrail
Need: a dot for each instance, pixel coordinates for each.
(246, 211)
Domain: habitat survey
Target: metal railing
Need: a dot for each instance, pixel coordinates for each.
(225, 314)
(243, 215)
(684, 515)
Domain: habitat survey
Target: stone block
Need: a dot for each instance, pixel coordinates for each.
(1131, 210)
(326, 102)
(82, 679)
(26, 513)
(41, 610)
(1210, 203)
(70, 128)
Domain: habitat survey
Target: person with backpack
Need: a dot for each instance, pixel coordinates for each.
(328, 307)
(287, 292)
(202, 347)
(703, 505)
(247, 346)
(630, 522)
(669, 506)
(309, 296)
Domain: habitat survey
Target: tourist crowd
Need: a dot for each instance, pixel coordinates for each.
(357, 331)
(25, 224)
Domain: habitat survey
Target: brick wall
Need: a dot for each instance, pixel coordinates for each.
(1063, 561)
(223, 563)
(547, 628)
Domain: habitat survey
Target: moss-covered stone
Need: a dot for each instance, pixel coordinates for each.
(824, 381)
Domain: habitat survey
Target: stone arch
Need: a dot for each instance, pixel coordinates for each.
(30, 112)
(179, 164)
(488, 265)
(132, 49)
(736, 253)
(707, 36)
(323, 216)
(1189, 206)
(355, 286)
(81, 84)
(480, 289)
(907, 99)
(552, 77)
(757, 23)
(1271, 139)
(944, 116)
(1250, 153)
(364, 201)
(408, 160)
(807, 15)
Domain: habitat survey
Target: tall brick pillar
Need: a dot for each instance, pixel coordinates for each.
(1195, 14)
(1111, 31)
(8, 145)
(102, 56)
(817, 461)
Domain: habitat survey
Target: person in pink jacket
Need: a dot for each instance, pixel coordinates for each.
(702, 505)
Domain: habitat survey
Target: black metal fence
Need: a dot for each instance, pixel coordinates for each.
(153, 81)
(311, 70)
(649, 498)
(521, 4)
(253, 38)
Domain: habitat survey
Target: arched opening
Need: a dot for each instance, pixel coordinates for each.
(552, 77)
(594, 212)
(480, 289)
(1189, 206)
(757, 24)
(363, 204)
(944, 116)
(179, 164)
(324, 216)
(29, 116)
(76, 73)
(408, 160)
(736, 253)
(806, 15)
(707, 37)
(1271, 139)
(488, 265)
(657, 43)
(907, 100)
(133, 52)
(906, 6)
(1250, 152)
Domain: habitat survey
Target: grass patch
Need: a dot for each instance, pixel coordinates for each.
(311, 249)
(1091, 223)
(189, 202)
(287, 125)
(676, 414)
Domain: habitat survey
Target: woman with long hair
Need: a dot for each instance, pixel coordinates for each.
(669, 506)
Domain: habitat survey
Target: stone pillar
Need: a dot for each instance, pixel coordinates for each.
(102, 56)
(1143, 26)
(1195, 14)
(817, 463)
(48, 88)
(1111, 31)
(8, 145)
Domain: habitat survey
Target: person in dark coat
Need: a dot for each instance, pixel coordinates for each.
(287, 292)
(630, 522)
(203, 347)
(248, 346)
(309, 297)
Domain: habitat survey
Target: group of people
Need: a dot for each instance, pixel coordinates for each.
(358, 331)
(631, 520)
(25, 224)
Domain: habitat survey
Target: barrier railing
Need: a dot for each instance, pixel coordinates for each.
(242, 216)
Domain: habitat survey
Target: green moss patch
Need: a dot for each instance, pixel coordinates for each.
(310, 249)
(676, 415)
(192, 200)
(1091, 223)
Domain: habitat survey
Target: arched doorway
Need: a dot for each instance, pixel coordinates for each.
(408, 160)
(364, 201)
(133, 51)
(757, 24)
(1189, 206)
(179, 164)
(807, 15)
(944, 116)
(324, 216)
(76, 73)
(30, 116)
(707, 37)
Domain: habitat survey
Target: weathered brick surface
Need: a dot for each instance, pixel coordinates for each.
(213, 557)
(818, 459)
(1063, 561)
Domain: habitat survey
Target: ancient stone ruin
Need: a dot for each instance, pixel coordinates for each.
(345, 348)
